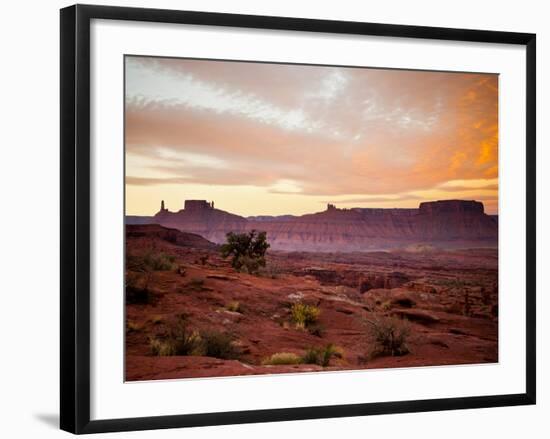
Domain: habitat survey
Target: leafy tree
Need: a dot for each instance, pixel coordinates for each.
(247, 250)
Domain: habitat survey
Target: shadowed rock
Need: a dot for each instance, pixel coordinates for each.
(446, 223)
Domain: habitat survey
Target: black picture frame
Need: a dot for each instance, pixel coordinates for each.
(75, 217)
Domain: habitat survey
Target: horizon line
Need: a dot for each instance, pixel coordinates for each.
(329, 206)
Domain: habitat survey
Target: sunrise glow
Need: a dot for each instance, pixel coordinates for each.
(266, 139)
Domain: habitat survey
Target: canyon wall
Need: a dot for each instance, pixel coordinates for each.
(447, 224)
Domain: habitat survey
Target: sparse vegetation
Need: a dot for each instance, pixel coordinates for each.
(150, 261)
(390, 335)
(316, 329)
(282, 358)
(247, 250)
(322, 356)
(137, 288)
(234, 306)
(301, 321)
(303, 315)
(179, 340)
(132, 326)
(140, 272)
(218, 344)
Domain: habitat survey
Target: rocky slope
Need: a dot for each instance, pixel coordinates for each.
(449, 299)
(153, 232)
(449, 223)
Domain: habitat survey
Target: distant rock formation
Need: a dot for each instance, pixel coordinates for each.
(449, 223)
(173, 236)
(200, 217)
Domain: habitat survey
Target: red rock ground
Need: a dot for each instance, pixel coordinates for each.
(450, 323)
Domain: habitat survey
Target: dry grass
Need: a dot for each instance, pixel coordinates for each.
(283, 358)
(389, 336)
(303, 315)
(234, 306)
(322, 356)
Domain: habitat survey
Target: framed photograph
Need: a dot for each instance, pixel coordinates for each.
(285, 218)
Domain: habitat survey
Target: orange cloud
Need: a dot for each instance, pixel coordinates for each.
(338, 132)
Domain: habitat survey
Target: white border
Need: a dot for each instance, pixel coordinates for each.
(112, 398)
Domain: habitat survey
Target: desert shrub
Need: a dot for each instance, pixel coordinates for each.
(234, 306)
(179, 340)
(316, 329)
(218, 344)
(132, 326)
(137, 288)
(249, 264)
(247, 250)
(150, 261)
(160, 348)
(390, 335)
(304, 315)
(281, 358)
(321, 356)
(159, 261)
(139, 275)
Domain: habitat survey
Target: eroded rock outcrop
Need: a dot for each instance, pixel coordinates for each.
(173, 236)
(386, 281)
(450, 223)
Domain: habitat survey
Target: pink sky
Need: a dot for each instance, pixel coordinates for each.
(273, 139)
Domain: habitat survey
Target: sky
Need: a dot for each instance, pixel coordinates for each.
(272, 139)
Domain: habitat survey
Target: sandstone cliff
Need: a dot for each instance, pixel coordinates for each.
(449, 223)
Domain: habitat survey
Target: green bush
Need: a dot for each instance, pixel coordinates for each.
(282, 358)
(247, 250)
(179, 340)
(303, 315)
(218, 344)
(321, 356)
(160, 261)
(137, 288)
(390, 335)
(150, 261)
